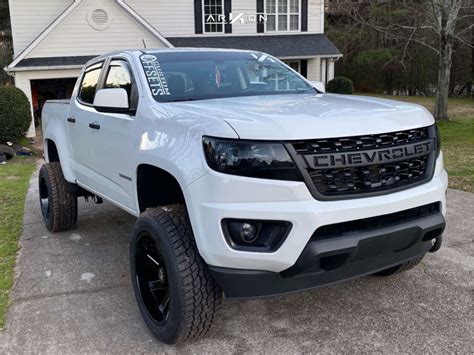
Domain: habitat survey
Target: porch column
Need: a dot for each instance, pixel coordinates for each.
(330, 70)
(314, 73)
(324, 70)
(23, 83)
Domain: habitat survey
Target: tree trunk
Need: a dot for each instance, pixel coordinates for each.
(444, 73)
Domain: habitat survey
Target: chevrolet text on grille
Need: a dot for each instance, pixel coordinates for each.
(369, 157)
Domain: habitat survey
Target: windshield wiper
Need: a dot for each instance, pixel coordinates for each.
(184, 99)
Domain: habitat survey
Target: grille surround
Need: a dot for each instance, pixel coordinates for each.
(365, 180)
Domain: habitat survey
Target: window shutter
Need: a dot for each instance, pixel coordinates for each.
(304, 15)
(304, 68)
(198, 16)
(227, 11)
(260, 11)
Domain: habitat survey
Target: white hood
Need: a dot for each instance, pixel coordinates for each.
(291, 117)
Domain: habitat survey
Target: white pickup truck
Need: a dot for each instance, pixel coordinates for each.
(246, 178)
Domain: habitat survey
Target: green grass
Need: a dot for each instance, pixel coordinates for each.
(457, 138)
(14, 178)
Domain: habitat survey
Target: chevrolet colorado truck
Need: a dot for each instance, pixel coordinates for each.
(246, 179)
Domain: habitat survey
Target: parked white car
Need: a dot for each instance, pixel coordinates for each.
(245, 178)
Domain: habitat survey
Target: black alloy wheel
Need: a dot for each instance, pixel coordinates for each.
(44, 199)
(152, 279)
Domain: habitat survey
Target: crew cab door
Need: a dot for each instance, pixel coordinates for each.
(112, 138)
(79, 117)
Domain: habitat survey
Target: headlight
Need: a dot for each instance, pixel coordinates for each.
(250, 158)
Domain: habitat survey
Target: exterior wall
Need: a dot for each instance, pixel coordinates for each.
(314, 69)
(75, 36)
(30, 17)
(248, 7)
(176, 18)
(23, 82)
(171, 18)
(315, 16)
(321, 69)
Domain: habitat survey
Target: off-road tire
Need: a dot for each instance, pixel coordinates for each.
(400, 268)
(194, 296)
(62, 201)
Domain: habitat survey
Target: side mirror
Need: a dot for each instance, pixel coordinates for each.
(318, 85)
(113, 100)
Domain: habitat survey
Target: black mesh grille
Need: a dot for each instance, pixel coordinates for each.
(372, 223)
(358, 143)
(339, 182)
(380, 176)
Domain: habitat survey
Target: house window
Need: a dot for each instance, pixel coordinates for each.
(213, 16)
(282, 15)
(294, 64)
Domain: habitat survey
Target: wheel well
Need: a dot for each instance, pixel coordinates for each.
(157, 187)
(52, 150)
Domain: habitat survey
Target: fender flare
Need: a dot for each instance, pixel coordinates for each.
(64, 158)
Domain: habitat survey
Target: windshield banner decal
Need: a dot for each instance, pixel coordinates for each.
(155, 76)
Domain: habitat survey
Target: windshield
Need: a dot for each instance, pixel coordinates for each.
(198, 75)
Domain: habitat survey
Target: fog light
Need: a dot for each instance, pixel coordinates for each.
(255, 235)
(248, 232)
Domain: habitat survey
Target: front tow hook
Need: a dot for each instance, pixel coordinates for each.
(437, 244)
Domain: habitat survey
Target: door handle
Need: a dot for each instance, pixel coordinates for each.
(71, 120)
(94, 125)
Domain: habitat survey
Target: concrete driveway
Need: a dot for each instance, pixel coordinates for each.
(73, 295)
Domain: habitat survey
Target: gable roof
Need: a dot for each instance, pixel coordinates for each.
(78, 61)
(21, 57)
(283, 46)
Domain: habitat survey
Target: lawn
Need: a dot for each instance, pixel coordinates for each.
(457, 139)
(14, 179)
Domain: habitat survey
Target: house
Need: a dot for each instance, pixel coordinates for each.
(52, 39)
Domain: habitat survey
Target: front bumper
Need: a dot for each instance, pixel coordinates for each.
(334, 260)
(215, 196)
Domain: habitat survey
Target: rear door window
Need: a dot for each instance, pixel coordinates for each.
(89, 83)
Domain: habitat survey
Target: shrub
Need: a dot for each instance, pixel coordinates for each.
(15, 114)
(340, 85)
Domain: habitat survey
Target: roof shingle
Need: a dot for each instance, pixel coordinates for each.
(299, 45)
(53, 61)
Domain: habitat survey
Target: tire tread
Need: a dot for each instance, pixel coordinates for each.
(63, 209)
(202, 296)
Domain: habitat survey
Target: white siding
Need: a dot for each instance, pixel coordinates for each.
(314, 69)
(169, 17)
(247, 7)
(23, 82)
(176, 18)
(74, 36)
(30, 17)
(316, 16)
